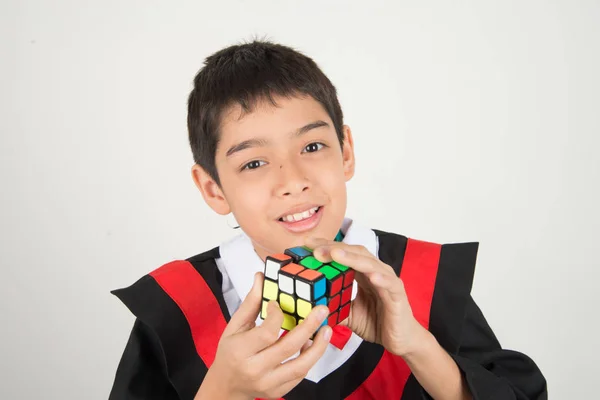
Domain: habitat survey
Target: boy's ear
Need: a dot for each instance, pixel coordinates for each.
(348, 153)
(211, 192)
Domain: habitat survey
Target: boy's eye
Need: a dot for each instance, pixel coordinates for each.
(253, 164)
(312, 147)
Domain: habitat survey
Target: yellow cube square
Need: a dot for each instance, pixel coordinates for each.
(270, 290)
(289, 322)
(263, 312)
(287, 303)
(304, 308)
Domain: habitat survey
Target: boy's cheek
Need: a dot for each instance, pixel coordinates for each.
(253, 211)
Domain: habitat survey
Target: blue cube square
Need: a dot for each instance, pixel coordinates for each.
(298, 253)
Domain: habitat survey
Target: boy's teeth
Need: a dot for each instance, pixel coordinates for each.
(300, 216)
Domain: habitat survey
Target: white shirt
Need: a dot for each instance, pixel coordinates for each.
(239, 262)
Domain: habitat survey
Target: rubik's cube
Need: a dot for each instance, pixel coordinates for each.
(299, 282)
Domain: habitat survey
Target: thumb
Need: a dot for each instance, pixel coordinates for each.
(246, 314)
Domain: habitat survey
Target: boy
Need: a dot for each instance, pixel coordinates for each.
(267, 135)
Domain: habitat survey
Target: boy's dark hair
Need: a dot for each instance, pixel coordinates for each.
(246, 74)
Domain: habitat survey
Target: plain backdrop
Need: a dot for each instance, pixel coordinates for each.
(473, 121)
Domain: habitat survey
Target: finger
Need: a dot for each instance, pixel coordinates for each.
(317, 243)
(245, 316)
(389, 288)
(305, 346)
(267, 333)
(320, 248)
(298, 367)
(323, 252)
(291, 343)
(362, 263)
(364, 284)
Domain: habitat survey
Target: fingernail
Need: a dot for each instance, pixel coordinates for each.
(327, 334)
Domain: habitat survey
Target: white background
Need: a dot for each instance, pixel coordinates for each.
(472, 121)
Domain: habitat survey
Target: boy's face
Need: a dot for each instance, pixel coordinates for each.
(283, 174)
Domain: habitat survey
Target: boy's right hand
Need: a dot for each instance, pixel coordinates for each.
(250, 359)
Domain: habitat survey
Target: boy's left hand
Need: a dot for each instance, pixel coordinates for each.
(380, 313)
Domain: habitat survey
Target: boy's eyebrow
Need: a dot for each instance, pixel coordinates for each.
(308, 127)
(246, 144)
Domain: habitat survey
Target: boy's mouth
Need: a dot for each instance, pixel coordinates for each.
(299, 216)
(303, 220)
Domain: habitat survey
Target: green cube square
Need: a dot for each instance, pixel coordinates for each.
(339, 266)
(329, 272)
(311, 263)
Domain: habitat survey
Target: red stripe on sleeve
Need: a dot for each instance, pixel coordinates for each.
(418, 273)
(186, 287)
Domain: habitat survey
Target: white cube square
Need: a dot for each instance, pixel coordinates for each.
(286, 284)
(303, 290)
(272, 269)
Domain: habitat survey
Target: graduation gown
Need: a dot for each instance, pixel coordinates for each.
(180, 315)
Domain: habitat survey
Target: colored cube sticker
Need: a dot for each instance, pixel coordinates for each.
(287, 277)
(270, 290)
(346, 272)
(346, 296)
(333, 319)
(310, 285)
(299, 282)
(298, 253)
(334, 303)
(304, 307)
(334, 279)
(311, 262)
(344, 313)
(274, 263)
(289, 322)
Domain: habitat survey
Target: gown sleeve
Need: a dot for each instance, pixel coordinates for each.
(141, 373)
(490, 371)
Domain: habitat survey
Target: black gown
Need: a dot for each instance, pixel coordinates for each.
(160, 360)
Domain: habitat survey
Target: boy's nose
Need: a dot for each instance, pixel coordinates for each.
(293, 189)
(293, 181)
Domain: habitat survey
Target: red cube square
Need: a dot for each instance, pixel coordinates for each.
(348, 278)
(344, 312)
(334, 303)
(346, 295)
(332, 320)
